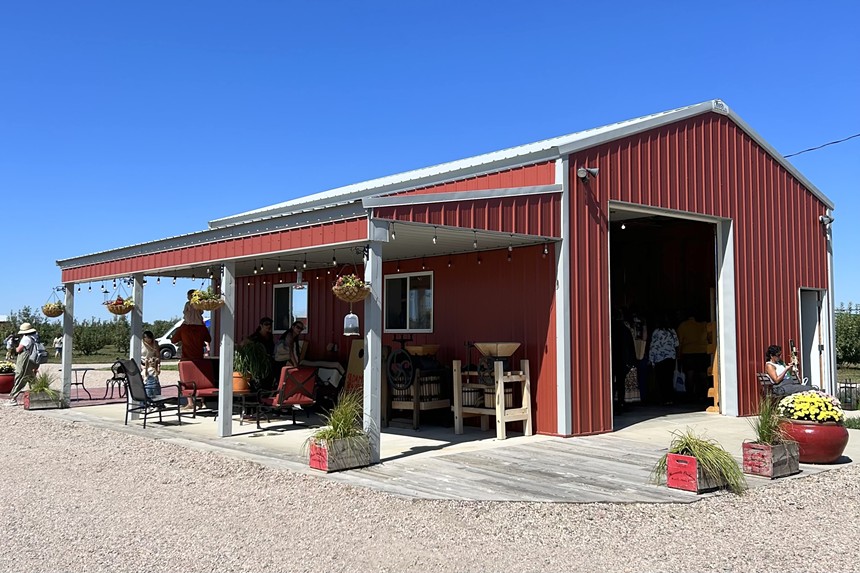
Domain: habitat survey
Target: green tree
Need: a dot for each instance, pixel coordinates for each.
(847, 335)
(90, 337)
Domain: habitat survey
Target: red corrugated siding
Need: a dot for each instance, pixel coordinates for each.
(493, 301)
(338, 231)
(527, 214)
(705, 165)
(525, 176)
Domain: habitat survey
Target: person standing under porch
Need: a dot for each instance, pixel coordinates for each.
(25, 369)
(193, 334)
(663, 353)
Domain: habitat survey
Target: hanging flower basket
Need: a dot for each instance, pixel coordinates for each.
(53, 309)
(120, 305)
(211, 304)
(119, 308)
(350, 288)
(206, 300)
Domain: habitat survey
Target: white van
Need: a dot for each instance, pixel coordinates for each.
(166, 347)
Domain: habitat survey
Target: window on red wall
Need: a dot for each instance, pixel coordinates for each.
(290, 302)
(409, 302)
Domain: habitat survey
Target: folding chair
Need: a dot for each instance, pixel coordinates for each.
(295, 388)
(139, 402)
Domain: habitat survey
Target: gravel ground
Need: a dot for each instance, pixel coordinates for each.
(77, 498)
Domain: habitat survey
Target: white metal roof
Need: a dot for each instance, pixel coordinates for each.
(540, 150)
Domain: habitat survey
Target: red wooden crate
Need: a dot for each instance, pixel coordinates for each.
(683, 472)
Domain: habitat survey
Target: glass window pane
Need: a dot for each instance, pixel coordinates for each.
(282, 315)
(421, 302)
(395, 303)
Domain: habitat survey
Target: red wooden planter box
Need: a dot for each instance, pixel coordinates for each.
(684, 472)
(337, 455)
(771, 461)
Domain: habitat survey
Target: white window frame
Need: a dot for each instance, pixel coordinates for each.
(408, 276)
(293, 317)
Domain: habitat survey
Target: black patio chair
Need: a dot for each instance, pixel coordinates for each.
(117, 380)
(139, 402)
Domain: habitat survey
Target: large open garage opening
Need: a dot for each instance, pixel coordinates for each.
(663, 289)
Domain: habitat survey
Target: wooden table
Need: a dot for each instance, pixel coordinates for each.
(500, 409)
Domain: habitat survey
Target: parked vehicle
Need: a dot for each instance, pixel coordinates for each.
(166, 347)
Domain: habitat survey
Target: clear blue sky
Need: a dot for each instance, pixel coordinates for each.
(134, 121)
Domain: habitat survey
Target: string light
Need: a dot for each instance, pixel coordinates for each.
(295, 268)
(449, 262)
(114, 283)
(393, 235)
(79, 288)
(479, 259)
(434, 234)
(279, 266)
(623, 226)
(90, 287)
(423, 266)
(261, 266)
(475, 242)
(158, 281)
(174, 281)
(545, 250)
(333, 259)
(305, 262)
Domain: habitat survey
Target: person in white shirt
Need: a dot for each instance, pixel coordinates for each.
(25, 369)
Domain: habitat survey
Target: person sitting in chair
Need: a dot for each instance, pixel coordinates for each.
(783, 376)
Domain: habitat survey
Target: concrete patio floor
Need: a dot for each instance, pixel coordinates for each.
(434, 463)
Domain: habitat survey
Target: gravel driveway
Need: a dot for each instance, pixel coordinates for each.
(77, 498)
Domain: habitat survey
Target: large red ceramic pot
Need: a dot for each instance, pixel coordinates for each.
(819, 443)
(6, 382)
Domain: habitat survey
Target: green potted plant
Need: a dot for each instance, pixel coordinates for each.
(341, 443)
(250, 362)
(7, 376)
(771, 454)
(41, 396)
(698, 464)
(815, 420)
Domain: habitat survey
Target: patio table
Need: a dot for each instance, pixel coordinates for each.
(79, 381)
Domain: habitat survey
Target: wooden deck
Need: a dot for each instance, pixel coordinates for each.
(590, 469)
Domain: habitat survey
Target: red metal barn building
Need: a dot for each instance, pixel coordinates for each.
(681, 210)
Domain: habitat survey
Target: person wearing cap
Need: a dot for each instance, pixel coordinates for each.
(25, 369)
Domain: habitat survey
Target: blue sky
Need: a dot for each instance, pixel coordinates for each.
(134, 121)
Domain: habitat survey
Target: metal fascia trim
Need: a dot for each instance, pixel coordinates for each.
(426, 198)
(299, 220)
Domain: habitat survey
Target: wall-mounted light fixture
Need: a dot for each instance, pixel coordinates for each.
(584, 172)
(826, 220)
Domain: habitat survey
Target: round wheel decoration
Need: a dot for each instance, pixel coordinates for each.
(401, 371)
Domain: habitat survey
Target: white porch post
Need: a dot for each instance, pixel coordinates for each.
(68, 332)
(136, 319)
(377, 232)
(225, 373)
(564, 398)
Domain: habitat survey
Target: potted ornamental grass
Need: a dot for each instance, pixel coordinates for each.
(341, 443)
(698, 464)
(41, 396)
(815, 420)
(772, 454)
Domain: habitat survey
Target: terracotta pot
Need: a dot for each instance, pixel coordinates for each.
(819, 443)
(241, 383)
(6, 382)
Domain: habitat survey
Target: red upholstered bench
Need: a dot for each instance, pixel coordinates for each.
(197, 380)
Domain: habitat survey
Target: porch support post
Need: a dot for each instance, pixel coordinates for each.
(225, 373)
(377, 232)
(68, 336)
(563, 373)
(136, 319)
(829, 384)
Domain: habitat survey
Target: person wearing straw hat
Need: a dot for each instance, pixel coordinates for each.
(25, 369)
